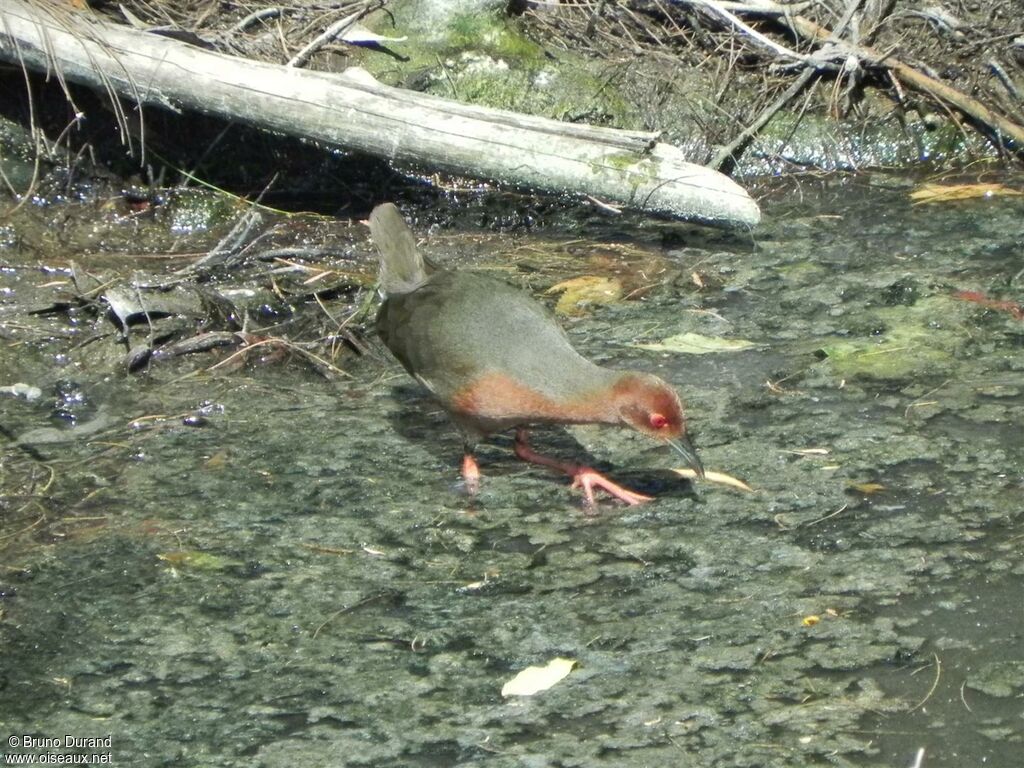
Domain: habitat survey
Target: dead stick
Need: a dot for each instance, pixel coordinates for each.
(725, 160)
(1008, 133)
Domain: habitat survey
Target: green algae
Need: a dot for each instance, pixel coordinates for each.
(483, 57)
(493, 34)
(1000, 678)
(922, 338)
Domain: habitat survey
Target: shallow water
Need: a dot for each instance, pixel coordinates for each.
(265, 568)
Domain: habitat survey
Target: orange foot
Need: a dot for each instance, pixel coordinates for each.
(588, 479)
(582, 477)
(471, 474)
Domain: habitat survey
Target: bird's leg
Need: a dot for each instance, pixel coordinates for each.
(582, 476)
(470, 473)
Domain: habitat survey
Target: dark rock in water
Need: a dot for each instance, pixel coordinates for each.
(71, 405)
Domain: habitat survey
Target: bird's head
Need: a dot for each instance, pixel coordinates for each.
(652, 407)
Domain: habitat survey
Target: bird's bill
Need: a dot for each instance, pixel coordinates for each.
(685, 448)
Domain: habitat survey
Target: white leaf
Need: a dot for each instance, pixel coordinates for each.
(536, 679)
(695, 344)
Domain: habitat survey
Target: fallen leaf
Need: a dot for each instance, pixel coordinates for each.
(196, 560)
(978, 297)
(715, 477)
(133, 305)
(940, 193)
(866, 488)
(473, 586)
(696, 344)
(327, 550)
(588, 289)
(810, 621)
(536, 679)
(219, 460)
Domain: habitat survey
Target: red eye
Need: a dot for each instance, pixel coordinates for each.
(658, 421)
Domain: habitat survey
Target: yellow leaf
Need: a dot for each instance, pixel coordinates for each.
(588, 289)
(810, 621)
(695, 344)
(715, 477)
(940, 193)
(866, 488)
(536, 679)
(219, 460)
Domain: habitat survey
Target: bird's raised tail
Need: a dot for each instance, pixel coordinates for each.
(402, 268)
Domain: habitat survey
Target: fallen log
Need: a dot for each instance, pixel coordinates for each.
(355, 111)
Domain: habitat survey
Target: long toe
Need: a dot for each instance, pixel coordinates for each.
(588, 479)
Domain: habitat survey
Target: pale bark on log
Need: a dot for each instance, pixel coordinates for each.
(354, 111)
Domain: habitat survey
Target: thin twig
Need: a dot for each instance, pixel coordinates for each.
(726, 158)
(717, 9)
(935, 684)
(333, 32)
(917, 403)
(252, 18)
(826, 517)
(349, 609)
(963, 698)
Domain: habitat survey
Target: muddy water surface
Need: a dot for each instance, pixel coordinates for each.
(259, 565)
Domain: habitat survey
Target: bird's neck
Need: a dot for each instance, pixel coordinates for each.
(600, 404)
